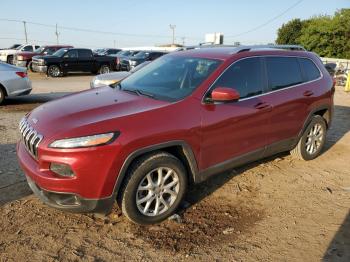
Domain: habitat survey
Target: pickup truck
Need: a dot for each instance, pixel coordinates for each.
(24, 59)
(68, 60)
(6, 55)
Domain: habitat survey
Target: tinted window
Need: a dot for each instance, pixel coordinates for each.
(310, 70)
(84, 53)
(28, 48)
(50, 50)
(245, 76)
(71, 54)
(283, 72)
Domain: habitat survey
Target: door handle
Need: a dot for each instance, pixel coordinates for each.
(262, 105)
(308, 93)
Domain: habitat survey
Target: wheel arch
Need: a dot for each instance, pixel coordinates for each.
(2, 87)
(179, 149)
(326, 111)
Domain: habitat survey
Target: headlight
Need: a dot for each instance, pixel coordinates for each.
(98, 82)
(133, 63)
(86, 141)
(19, 57)
(41, 62)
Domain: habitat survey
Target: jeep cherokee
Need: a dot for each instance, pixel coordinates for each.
(179, 120)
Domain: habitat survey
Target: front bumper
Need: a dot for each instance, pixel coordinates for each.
(71, 202)
(90, 190)
(20, 63)
(39, 68)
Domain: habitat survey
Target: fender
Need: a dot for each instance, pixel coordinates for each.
(187, 150)
(308, 119)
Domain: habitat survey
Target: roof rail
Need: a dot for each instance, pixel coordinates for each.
(283, 47)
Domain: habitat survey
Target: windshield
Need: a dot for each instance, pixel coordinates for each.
(170, 78)
(60, 52)
(124, 53)
(39, 50)
(142, 55)
(137, 68)
(18, 48)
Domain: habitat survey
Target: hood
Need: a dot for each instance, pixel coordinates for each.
(26, 54)
(89, 112)
(45, 57)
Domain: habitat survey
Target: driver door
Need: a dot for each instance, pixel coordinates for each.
(236, 131)
(70, 61)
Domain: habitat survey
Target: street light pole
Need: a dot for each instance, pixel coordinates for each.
(172, 27)
(25, 31)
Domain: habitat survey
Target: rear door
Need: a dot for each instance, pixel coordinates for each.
(85, 60)
(232, 130)
(290, 96)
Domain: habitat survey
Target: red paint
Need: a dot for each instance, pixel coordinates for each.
(215, 132)
(223, 94)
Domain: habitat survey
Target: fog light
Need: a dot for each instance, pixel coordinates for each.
(62, 169)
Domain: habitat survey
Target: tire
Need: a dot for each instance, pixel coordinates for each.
(2, 95)
(143, 169)
(29, 66)
(10, 59)
(315, 135)
(104, 69)
(54, 71)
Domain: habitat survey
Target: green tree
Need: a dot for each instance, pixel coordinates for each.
(328, 36)
(290, 32)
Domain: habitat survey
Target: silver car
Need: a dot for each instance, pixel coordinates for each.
(13, 81)
(113, 78)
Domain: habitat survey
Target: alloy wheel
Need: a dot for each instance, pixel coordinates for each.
(157, 191)
(314, 139)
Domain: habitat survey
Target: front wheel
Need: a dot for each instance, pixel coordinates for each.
(54, 71)
(104, 69)
(154, 187)
(2, 95)
(312, 141)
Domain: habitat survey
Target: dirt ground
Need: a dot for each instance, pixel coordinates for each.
(278, 209)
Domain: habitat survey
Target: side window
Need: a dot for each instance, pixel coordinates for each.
(283, 72)
(50, 50)
(245, 76)
(71, 54)
(37, 46)
(85, 53)
(310, 69)
(28, 48)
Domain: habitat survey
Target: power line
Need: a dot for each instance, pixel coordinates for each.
(93, 31)
(269, 21)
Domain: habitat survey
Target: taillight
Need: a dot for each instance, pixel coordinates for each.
(21, 74)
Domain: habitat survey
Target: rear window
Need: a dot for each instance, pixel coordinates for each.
(283, 72)
(84, 53)
(310, 69)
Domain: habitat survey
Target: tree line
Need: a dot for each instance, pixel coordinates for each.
(328, 36)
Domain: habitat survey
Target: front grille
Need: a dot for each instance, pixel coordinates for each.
(31, 138)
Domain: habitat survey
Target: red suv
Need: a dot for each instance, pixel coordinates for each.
(177, 121)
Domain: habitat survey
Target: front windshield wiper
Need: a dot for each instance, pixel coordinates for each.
(137, 91)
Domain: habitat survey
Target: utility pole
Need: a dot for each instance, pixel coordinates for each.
(57, 34)
(183, 40)
(25, 31)
(172, 27)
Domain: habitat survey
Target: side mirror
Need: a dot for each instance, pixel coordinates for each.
(224, 95)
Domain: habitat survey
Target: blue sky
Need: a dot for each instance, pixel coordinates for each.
(148, 21)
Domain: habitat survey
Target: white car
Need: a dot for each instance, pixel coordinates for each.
(6, 55)
(13, 81)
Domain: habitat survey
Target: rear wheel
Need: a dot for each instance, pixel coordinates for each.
(312, 141)
(104, 69)
(2, 95)
(154, 188)
(54, 71)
